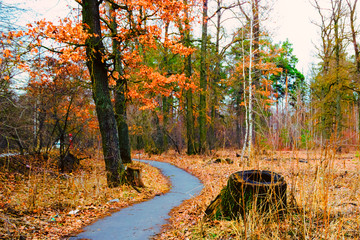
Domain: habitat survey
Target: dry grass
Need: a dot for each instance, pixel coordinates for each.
(323, 197)
(36, 204)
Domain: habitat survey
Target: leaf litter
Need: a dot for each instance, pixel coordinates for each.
(40, 203)
(323, 196)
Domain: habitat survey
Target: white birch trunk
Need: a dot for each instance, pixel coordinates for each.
(245, 102)
(250, 90)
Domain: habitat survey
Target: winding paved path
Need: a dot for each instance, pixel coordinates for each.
(145, 219)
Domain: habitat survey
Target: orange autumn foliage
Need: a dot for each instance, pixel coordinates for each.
(267, 67)
(60, 94)
(139, 26)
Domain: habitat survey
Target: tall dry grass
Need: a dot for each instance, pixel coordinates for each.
(43, 204)
(323, 197)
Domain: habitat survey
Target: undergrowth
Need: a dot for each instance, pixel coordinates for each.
(323, 197)
(37, 202)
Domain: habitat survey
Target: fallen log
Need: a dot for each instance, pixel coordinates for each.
(263, 191)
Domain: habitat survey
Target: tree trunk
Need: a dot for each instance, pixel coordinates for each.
(166, 102)
(354, 34)
(68, 163)
(121, 120)
(101, 94)
(338, 115)
(352, 9)
(203, 83)
(166, 112)
(256, 39)
(358, 106)
(119, 92)
(255, 119)
(245, 101)
(133, 177)
(239, 120)
(41, 116)
(250, 111)
(157, 136)
(190, 133)
(215, 81)
(262, 191)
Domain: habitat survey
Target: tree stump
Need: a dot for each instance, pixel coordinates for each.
(68, 163)
(133, 177)
(263, 190)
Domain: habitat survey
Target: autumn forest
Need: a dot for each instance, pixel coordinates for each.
(200, 84)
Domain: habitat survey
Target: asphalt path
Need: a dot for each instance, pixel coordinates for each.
(143, 220)
(9, 154)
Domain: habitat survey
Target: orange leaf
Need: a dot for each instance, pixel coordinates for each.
(7, 53)
(116, 75)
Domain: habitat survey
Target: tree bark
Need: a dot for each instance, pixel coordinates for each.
(157, 136)
(214, 82)
(166, 112)
(256, 39)
(190, 133)
(352, 9)
(121, 119)
(120, 99)
(203, 82)
(245, 101)
(354, 34)
(101, 94)
(133, 176)
(166, 103)
(255, 120)
(336, 18)
(262, 191)
(250, 108)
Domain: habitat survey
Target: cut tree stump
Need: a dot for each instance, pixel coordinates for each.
(68, 163)
(133, 177)
(263, 191)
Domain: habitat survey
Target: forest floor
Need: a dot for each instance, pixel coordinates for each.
(323, 196)
(36, 202)
(323, 190)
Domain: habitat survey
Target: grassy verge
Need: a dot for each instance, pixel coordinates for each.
(38, 203)
(323, 197)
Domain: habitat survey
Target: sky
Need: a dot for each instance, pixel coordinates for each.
(294, 23)
(39, 9)
(290, 19)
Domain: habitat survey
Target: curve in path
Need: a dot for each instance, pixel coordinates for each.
(143, 220)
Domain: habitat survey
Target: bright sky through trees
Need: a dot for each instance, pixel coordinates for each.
(290, 19)
(293, 21)
(116, 79)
